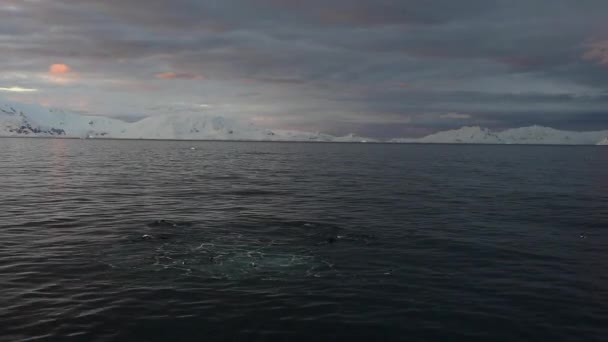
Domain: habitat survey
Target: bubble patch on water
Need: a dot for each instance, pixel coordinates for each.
(190, 248)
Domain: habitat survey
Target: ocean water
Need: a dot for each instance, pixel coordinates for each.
(240, 241)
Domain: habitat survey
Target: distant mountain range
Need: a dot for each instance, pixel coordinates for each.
(37, 121)
(522, 135)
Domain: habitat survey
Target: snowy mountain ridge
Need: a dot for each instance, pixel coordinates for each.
(522, 136)
(37, 121)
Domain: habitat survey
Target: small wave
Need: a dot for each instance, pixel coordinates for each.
(254, 192)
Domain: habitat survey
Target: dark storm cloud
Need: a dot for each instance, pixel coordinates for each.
(367, 66)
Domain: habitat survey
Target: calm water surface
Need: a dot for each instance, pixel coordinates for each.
(202, 241)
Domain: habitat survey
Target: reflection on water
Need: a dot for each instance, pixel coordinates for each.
(157, 241)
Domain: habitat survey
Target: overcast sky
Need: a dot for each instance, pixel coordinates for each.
(381, 68)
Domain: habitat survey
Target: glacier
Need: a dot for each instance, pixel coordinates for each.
(17, 119)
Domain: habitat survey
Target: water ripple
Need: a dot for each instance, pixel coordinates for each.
(152, 241)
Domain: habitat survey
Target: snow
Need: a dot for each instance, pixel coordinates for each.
(353, 138)
(522, 135)
(472, 134)
(52, 121)
(32, 120)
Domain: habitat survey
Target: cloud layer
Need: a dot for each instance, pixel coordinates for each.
(384, 68)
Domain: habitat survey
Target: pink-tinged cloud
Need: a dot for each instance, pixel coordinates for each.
(170, 75)
(59, 69)
(597, 51)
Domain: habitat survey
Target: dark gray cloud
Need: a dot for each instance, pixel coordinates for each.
(384, 67)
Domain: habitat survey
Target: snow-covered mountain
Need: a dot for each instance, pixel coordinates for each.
(523, 135)
(33, 120)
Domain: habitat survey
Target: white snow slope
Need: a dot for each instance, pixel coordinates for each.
(523, 135)
(33, 120)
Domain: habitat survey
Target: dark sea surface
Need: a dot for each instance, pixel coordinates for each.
(240, 241)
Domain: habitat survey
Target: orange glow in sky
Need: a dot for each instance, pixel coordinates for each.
(58, 69)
